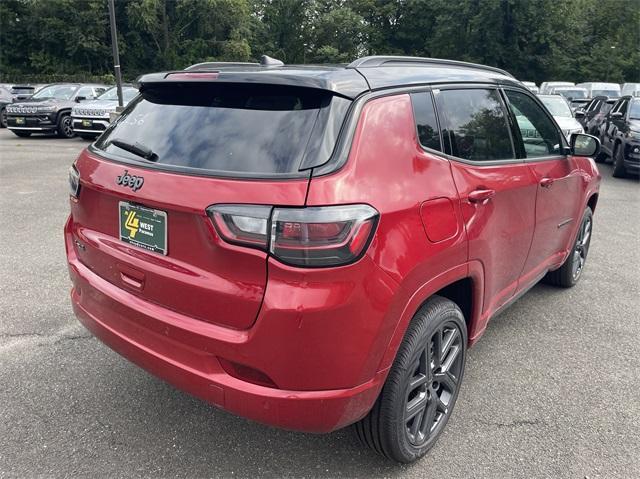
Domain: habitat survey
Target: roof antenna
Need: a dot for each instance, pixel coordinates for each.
(267, 61)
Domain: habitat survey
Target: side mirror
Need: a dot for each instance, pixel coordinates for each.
(80, 98)
(580, 113)
(584, 145)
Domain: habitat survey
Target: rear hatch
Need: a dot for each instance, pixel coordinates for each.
(140, 218)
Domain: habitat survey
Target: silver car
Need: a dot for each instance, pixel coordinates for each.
(561, 112)
(91, 118)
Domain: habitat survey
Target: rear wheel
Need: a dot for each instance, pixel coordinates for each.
(65, 127)
(571, 270)
(21, 134)
(619, 170)
(418, 397)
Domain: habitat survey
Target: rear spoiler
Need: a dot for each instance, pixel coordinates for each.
(339, 81)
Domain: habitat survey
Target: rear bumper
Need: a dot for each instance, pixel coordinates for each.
(184, 352)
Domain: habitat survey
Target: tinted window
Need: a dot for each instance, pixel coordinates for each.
(609, 93)
(426, 123)
(475, 124)
(622, 108)
(539, 135)
(221, 128)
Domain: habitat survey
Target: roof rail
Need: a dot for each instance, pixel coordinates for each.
(214, 65)
(382, 60)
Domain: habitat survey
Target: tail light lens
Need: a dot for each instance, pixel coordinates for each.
(311, 237)
(74, 181)
(246, 225)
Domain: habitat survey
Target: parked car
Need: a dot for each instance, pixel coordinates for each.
(91, 118)
(5, 99)
(22, 92)
(631, 89)
(531, 86)
(621, 136)
(578, 103)
(593, 114)
(570, 92)
(545, 87)
(610, 90)
(49, 110)
(561, 111)
(312, 248)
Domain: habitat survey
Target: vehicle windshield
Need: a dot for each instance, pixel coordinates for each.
(128, 94)
(634, 110)
(571, 94)
(557, 106)
(607, 93)
(246, 129)
(59, 92)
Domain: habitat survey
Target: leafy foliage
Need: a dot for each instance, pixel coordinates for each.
(576, 40)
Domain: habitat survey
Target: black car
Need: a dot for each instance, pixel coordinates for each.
(620, 136)
(22, 92)
(49, 110)
(593, 114)
(5, 99)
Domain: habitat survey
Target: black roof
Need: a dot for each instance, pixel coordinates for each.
(362, 75)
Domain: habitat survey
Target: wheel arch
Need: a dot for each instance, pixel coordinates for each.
(463, 285)
(593, 201)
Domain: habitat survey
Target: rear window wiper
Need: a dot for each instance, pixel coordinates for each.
(135, 148)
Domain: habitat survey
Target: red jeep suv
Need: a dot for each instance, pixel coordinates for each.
(317, 246)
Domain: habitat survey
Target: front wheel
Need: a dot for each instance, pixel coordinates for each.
(3, 118)
(619, 170)
(419, 394)
(571, 270)
(65, 127)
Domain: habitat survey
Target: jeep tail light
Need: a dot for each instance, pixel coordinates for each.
(74, 181)
(311, 237)
(246, 225)
(321, 236)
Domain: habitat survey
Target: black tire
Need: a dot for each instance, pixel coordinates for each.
(571, 270)
(420, 383)
(3, 118)
(619, 170)
(64, 126)
(21, 134)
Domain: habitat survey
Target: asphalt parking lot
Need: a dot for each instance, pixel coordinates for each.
(552, 389)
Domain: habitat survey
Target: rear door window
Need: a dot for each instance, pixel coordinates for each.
(220, 128)
(475, 123)
(426, 122)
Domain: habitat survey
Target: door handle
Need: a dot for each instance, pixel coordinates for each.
(546, 182)
(481, 196)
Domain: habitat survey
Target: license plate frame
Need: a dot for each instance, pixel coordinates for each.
(87, 123)
(143, 227)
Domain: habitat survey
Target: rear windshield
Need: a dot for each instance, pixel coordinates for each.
(608, 93)
(227, 129)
